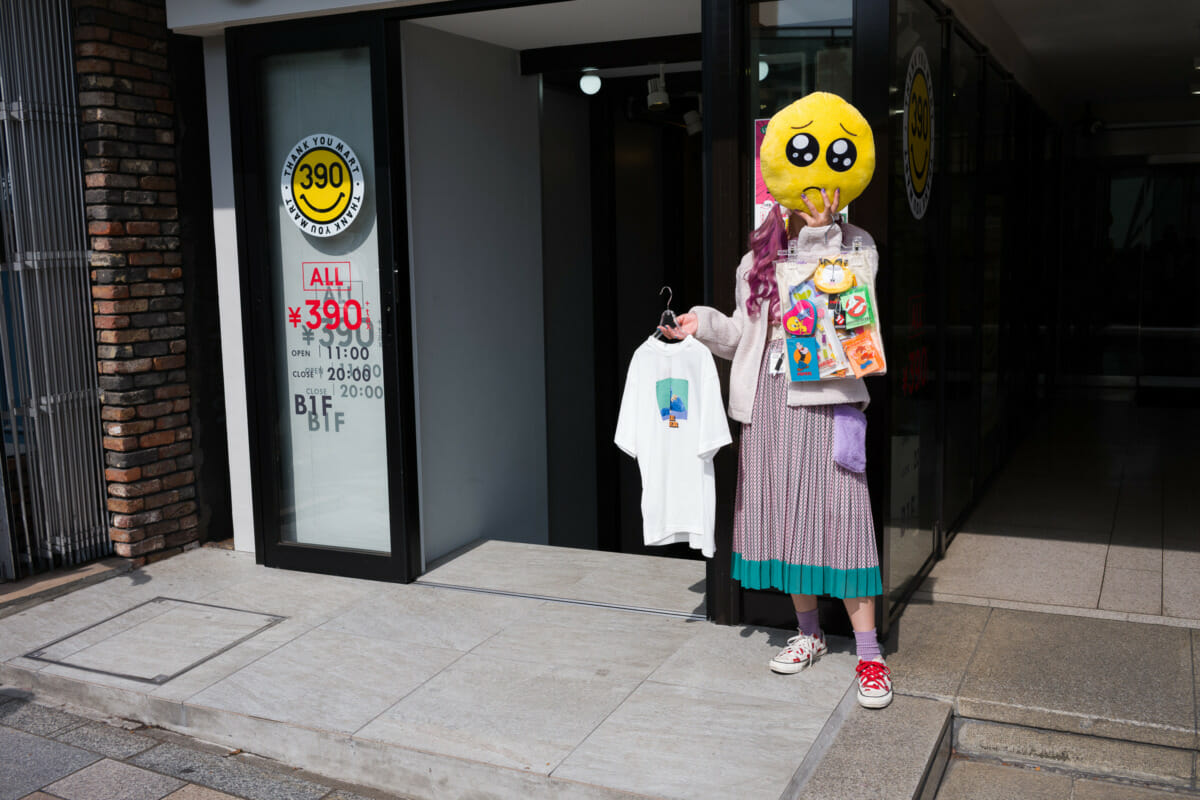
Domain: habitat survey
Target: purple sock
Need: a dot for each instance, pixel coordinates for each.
(809, 623)
(867, 645)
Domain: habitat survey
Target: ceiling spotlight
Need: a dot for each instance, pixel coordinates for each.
(1196, 62)
(589, 81)
(763, 69)
(1195, 87)
(657, 98)
(692, 120)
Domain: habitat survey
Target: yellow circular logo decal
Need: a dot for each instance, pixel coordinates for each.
(322, 185)
(918, 132)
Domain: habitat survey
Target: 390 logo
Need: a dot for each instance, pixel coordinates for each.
(322, 185)
(918, 132)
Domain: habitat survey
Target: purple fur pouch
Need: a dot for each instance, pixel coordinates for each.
(849, 437)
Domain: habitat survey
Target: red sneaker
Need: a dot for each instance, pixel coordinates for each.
(874, 684)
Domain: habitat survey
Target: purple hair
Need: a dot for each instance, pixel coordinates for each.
(767, 240)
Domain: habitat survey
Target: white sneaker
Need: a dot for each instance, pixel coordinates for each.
(874, 684)
(801, 651)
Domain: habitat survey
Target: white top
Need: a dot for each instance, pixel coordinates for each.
(672, 420)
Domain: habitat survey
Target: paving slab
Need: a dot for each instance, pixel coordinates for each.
(973, 780)
(206, 570)
(105, 739)
(1099, 790)
(63, 647)
(113, 780)
(227, 663)
(227, 774)
(1087, 681)
(571, 635)
(1136, 590)
(195, 792)
(37, 719)
(59, 617)
(1093, 755)
(28, 762)
(385, 767)
(679, 742)
(1196, 695)
(173, 637)
(427, 615)
(306, 597)
(18, 595)
(515, 567)
(1082, 506)
(1181, 508)
(327, 680)
(930, 646)
(1037, 566)
(515, 714)
(1181, 583)
(1139, 517)
(896, 753)
(670, 584)
(734, 659)
(1140, 554)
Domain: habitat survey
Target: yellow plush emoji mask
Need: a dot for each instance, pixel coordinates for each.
(818, 142)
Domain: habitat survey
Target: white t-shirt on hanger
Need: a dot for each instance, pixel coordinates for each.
(672, 420)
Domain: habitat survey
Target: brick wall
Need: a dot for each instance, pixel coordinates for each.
(130, 164)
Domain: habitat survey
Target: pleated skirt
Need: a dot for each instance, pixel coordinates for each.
(802, 524)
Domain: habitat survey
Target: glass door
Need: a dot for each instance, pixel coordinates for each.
(961, 283)
(325, 305)
(913, 298)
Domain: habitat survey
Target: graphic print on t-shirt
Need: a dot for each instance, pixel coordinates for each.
(672, 398)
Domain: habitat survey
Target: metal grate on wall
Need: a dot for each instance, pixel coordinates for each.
(52, 493)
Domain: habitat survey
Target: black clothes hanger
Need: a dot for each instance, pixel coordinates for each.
(667, 318)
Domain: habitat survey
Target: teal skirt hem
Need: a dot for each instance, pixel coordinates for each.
(806, 579)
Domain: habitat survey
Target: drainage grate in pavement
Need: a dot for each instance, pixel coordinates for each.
(157, 640)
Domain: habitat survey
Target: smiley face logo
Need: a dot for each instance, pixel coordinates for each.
(918, 132)
(322, 185)
(818, 142)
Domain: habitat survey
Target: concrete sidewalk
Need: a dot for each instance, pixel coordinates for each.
(430, 691)
(49, 753)
(435, 692)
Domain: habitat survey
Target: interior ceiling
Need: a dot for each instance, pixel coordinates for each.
(1106, 51)
(1085, 51)
(574, 22)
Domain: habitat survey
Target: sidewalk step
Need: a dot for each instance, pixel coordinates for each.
(898, 753)
(967, 779)
(352, 759)
(1092, 755)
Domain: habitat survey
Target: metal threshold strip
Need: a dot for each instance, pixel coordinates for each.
(662, 612)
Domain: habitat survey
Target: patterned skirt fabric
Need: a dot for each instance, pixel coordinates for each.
(802, 524)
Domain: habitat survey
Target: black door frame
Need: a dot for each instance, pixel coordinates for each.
(246, 49)
(246, 46)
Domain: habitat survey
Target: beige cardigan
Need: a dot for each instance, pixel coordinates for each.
(742, 338)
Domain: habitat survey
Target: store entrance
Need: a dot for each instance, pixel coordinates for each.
(543, 223)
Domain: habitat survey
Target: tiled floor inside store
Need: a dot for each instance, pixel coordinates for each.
(1097, 514)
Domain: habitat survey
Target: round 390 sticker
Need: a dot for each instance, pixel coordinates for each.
(322, 185)
(918, 132)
